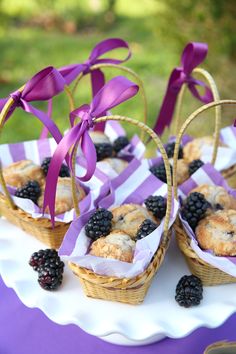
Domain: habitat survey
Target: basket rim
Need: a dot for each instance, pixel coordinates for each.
(146, 275)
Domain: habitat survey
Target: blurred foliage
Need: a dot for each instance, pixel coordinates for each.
(37, 33)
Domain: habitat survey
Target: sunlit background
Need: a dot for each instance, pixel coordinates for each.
(38, 33)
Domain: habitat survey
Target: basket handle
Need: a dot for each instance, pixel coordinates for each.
(136, 78)
(3, 115)
(207, 76)
(160, 146)
(194, 115)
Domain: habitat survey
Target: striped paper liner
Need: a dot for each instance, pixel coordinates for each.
(37, 150)
(134, 185)
(226, 155)
(207, 174)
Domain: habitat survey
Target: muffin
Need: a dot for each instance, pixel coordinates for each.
(99, 137)
(217, 196)
(64, 199)
(19, 173)
(117, 245)
(217, 232)
(118, 165)
(129, 217)
(193, 149)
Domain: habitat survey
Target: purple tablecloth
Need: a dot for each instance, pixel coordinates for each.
(27, 331)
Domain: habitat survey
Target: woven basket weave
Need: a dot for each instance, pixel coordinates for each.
(132, 290)
(39, 228)
(221, 348)
(207, 273)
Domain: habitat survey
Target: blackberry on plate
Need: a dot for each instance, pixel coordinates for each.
(156, 205)
(50, 276)
(189, 291)
(194, 209)
(103, 151)
(194, 166)
(146, 228)
(64, 171)
(99, 224)
(159, 171)
(42, 256)
(170, 148)
(31, 190)
(120, 143)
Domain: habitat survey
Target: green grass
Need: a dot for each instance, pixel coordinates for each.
(156, 50)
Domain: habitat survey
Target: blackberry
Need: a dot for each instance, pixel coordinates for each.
(103, 151)
(170, 148)
(120, 143)
(194, 166)
(50, 276)
(39, 258)
(31, 190)
(195, 209)
(189, 291)
(99, 224)
(64, 171)
(147, 227)
(159, 171)
(157, 205)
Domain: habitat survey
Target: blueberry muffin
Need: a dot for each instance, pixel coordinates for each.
(193, 149)
(117, 245)
(19, 173)
(118, 165)
(129, 217)
(64, 200)
(217, 196)
(217, 232)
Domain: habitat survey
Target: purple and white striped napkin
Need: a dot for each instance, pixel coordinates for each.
(207, 174)
(134, 185)
(226, 155)
(37, 150)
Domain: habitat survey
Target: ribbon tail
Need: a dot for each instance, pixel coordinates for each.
(44, 132)
(97, 82)
(207, 97)
(43, 117)
(166, 112)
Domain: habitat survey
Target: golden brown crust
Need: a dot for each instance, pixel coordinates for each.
(117, 164)
(217, 232)
(117, 245)
(19, 173)
(99, 137)
(129, 217)
(182, 170)
(217, 196)
(193, 149)
(64, 200)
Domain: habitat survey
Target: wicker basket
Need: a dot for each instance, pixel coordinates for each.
(230, 173)
(39, 228)
(221, 348)
(128, 290)
(207, 273)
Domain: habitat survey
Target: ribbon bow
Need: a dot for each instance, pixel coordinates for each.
(194, 54)
(41, 87)
(114, 92)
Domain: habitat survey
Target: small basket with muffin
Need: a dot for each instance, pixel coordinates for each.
(25, 167)
(116, 249)
(206, 227)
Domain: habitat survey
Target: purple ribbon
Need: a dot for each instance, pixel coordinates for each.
(193, 55)
(41, 87)
(114, 92)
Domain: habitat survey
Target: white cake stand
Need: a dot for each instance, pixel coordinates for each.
(159, 316)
